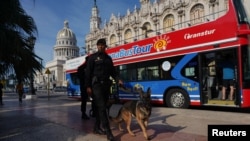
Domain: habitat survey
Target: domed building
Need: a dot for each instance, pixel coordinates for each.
(66, 48)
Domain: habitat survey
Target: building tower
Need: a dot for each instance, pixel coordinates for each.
(95, 22)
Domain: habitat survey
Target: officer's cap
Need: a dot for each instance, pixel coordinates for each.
(101, 41)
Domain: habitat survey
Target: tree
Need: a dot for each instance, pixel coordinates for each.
(16, 52)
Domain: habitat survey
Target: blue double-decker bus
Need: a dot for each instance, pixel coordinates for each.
(181, 66)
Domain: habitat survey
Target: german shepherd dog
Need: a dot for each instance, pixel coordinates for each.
(140, 109)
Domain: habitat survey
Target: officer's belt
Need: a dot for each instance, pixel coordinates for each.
(102, 79)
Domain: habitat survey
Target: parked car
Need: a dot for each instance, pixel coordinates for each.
(60, 89)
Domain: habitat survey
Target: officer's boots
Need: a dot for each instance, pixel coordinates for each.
(98, 130)
(110, 136)
(85, 116)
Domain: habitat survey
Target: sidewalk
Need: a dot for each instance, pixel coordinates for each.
(56, 119)
(59, 119)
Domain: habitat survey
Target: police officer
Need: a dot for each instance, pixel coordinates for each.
(99, 69)
(84, 96)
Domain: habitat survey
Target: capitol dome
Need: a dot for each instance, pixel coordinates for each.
(66, 32)
(66, 44)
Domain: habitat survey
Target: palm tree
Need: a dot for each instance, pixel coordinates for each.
(16, 52)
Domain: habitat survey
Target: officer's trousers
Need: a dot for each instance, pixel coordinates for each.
(101, 92)
(84, 99)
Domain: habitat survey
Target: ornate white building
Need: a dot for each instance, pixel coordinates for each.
(153, 18)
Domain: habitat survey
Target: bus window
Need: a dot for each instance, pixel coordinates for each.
(127, 72)
(241, 13)
(131, 74)
(190, 71)
(123, 72)
(211, 68)
(141, 73)
(246, 66)
(153, 72)
(148, 70)
(74, 78)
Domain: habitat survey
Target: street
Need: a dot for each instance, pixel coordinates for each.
(59, 118)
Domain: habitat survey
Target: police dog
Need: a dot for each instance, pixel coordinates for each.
(140, 109)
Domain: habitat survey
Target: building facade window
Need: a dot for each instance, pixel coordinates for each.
(168, 23)
(113, 40)
(128, 36)
(197, 14)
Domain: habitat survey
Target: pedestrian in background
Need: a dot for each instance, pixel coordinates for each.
(228, 76)
(99, 69)
(1, 93)
(84, 96)
(19, 89)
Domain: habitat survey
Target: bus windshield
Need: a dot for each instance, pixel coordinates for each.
(242, 14)
(246, 66)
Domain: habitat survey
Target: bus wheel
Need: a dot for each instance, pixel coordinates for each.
(177, 98)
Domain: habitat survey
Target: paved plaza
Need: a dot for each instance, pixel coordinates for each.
(55, 117)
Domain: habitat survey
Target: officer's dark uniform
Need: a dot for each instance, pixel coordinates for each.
(84, 96)
(99, 68)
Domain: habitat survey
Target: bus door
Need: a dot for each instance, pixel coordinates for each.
(212, 64)
(208, 78)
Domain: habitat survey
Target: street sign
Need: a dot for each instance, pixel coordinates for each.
(47, 71)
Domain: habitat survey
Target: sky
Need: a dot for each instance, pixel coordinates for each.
(49, 16)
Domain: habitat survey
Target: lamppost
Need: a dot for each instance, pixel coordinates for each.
(40, 80)
(32, 41)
